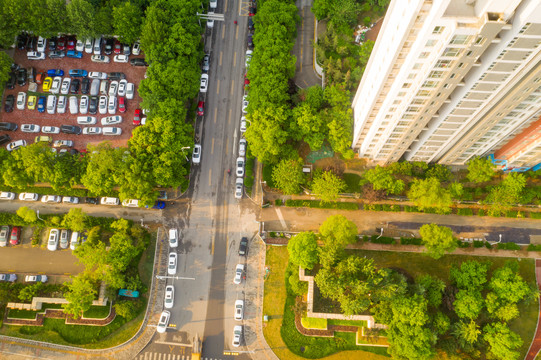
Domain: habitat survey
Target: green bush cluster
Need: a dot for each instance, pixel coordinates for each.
(411, 241)
(535, 215)
(249, 173)
(278, 202)
(465, 211)
(508, 246)
(322, 205)
(382, 240)
(463, 244)
(534, 247)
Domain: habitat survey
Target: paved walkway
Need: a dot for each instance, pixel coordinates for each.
(536, 343)
(305, 75)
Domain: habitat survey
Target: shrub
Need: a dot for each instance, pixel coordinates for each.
(272, 234)
(298, 287)
(278, 202)
(463, 244)
(411, 241)
(128, 309)
(478, 244)
(382, 240)
(488, 245)
(367, 21)
(322, 205)
(465, 211)
(36, 236)
(508, 246)
(535, 215)
(481, 212)
(533, 247)
(511, 214)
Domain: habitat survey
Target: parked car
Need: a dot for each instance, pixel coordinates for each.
(172, 264)
(55, 87)
(83, 105)
(242, 147)
(130, 203)
(121, 58)
(5, 138)
(86, 120)
(102, 107)
(93, 105)
(80, 46)
(52, 243)
(239, 273)
(8, 126)
(61, 44)
(206, 63)
(108, 46)
(41, 104)
(92, 200)
(8, 103)
(74, 54)
(8, 277)
(201, 108)
(111, 120)
(35, 55)
(51, 199)
(21, 77)
(30, 128)
(57, 54)
(243, 246)
(126, 49)
(21, 100)
(64, 238)
(245, 104)
(137, 117)
(121, 104)
(4, 234)
(97, 75)
(240, 166)
(50, 130)
(85, 86)
(163, 322)
(204, 83)
(130, 91)
(74, 87)
(10, 84)
(104, 59)
(31, 102)
(92, 130)
(243, 124)
(237, 335)
(136, 49)
(15, 145)
(53, 42)
(122, 84)
(113, 88)
(6, 195)
(173, 238)
(138, 62)
(70, 200)
(42, 138)
(35, 278)
(169, 296)
(70, 129)
(78, 73)
(74, 240)
(65, 87)
(109, 201)
(117, 47)
(89, 44)
(111, 131)
(116, 76)
(239, 187)
(47, 83)
(61, 105)
(196, 155)
(239, 309)
(63, 143)
(74, 105)
(28, 196)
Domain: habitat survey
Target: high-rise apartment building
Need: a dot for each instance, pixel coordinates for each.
(452, 79)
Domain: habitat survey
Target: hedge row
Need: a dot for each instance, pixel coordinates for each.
(322, 204)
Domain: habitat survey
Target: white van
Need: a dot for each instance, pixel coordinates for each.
(51, 104)
(61, 105)
(104, 86)
(74, 241)
(74, 106)
(111, 107)
(97, 46)
(110, 130)
(95, 87)
(109, 201)
(86, 120)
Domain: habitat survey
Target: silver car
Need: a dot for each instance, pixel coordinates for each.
(4, 235)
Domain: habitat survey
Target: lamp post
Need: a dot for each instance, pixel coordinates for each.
(161, 277)
(184, 148)
(37, 211)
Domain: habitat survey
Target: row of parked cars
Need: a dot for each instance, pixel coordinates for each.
(11, 235)
(27, 278)
(64, 238)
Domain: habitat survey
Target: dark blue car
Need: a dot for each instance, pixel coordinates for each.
(74, 54)
(41, 104)
(158, 205)
(78, 73)
(55, 72)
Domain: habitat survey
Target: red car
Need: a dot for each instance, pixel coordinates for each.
(118, 47)
(61, 45)
(201, 108)
(246, 83)
(15, 235)
(71, 43)
(137, 117)
(121, 104)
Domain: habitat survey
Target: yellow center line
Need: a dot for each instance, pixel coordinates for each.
(237, 33)
(215, 115)
(235, 59)
(212, 147)
(232, 86)
(227, 148)
(213, 239)
(221, 53)
(210, 177)
(225, 6)
(218, 87)
(223, 31)
(226, 244)
(229, 117)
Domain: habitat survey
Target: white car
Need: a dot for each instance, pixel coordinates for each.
(97, 75)
(113, 88)
(111, 120)
(64, 241)
(89, 45)
(130, 91)
(50, 130)
(55, 85)
(239, 310)
(35, 55)
(111, 131)
(136, 49)
(102, 107)
(94, 130)
(30, 128)
(122, 84)
(15, 145)
(130, 203)
(172, 265)
(50, 199)
(204, 83)
(70, 200)
(196, 155)
(35, 278)
(240, 166)
(164, 321)
(61, 104)
(213, 4)
(6, 195)
(104, 59)
(210, 21)
(248, 58)
(239, 272)
(42, 44)
(21, 100)
(74, 241)
(111, 107)
(79, 45)
(169, 296)
(239, 187)
(28, 197)
(237, 335)
(83, 105)
(52, 243)
(121, 58)
(245, 103)
(242, 147)
(173, 238)
(65, 87)
(74, 105)
(109, 201)
(86, 120)
(243, 124)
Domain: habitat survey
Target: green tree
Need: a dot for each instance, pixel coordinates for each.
(466, 333)
(502, 342)
(331, 254)
(431, 288)
(81, 292)
(28, 292)
(339, 117)
(127, 21)
(382, 179)
(468, 304)
(67, 171)
(470, 275)
(103, 22)
(499, 309)
(75, 220)
(337, 229)
(480, 170)
(456, 189)
(303, 250)
(28, 215)
(81, 16)
(5, 68)
(508, 285)
(288, 176)
(128, 309)
(104, 166)
(310, 126)
(441, 323)
(437, 240)
(328, 186)
(440, 172)
(429, 193)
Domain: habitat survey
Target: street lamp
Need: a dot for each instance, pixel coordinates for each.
(184, 148)
(37, 211)
(161, 277)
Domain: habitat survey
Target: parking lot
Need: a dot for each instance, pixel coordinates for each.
(133, 74)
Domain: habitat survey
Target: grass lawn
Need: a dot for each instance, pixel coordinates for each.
(22, 314)
(360, 323)
(352, 182)
(314, 323)
(97, 312)
(274, 304)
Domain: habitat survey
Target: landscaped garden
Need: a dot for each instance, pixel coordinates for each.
(431, 303)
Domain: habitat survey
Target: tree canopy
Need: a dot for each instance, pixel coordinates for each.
(480, 170)
(437, 240)
(339, 230)
(303, 250)
(429, 193)
(327, 186)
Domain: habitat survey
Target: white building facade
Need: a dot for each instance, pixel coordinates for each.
(449, 80)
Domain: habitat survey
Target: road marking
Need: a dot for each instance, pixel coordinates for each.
(235, 59)
(227, 148)
(221, 53)
(235, 143)
(212, 147)
(210, 179)
(226, 244)
(223, 31)
(218, 87)
(229, 118)
(225, 6)
(237, 33)
(279, 213)
(215, 114)
(213, 240)
(232, 87)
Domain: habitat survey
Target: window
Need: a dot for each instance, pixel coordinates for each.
(469, 53)
(443, 64)
(406, 85)
(460, 39)
(451, 52)
(436, 74)
(423, 93)
(412, 76)
(413, 109)
(438, 30)
(418, 101)
(480, 40)
(430, 84)
(461, 65)
(401, 93)
(424, 55)
(452, 76)
(431, 43)
(417, 66)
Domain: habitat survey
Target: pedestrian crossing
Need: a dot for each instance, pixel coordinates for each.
(163, 356)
